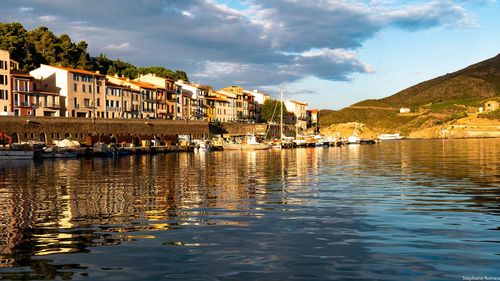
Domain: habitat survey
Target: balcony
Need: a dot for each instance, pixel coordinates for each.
(50, 105)
(23, 89)
(110, 108)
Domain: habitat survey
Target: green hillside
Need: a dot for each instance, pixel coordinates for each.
(433, 102)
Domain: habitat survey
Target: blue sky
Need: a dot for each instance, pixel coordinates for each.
(329, 53)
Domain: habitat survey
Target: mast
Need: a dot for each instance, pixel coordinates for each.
(281, 115)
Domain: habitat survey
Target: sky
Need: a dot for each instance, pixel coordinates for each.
(328, 53)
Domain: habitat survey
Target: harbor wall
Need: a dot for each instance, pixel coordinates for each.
(85, 130)
(89, 131)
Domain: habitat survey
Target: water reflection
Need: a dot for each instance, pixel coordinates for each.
(356, 211)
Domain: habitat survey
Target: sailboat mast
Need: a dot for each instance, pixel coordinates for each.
(281, 115)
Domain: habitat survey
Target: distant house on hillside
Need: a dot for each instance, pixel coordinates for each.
(404, 110)
(491, 106)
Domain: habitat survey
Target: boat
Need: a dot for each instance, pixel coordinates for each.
(15, 151)
(396, 136)
(249, 143)
(57, 152)
(15, 154)
(354, 139)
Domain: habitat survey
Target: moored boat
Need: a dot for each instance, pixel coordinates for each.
(396, 136)
(249, 143)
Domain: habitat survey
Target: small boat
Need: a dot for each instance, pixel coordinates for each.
(396, 136)
(16, 154)
(354, 139)
(249, 143)
(57, 152)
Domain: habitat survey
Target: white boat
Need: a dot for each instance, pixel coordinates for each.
(249, 143)
(390, 137)
(354, 139)
(57, 152)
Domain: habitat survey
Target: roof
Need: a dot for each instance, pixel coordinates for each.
(111, 84)
(138, 83)
(314, 111)
(18, 73)
(216, 99)
(297, 102)
(79, 71)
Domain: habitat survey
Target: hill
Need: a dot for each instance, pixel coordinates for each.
(41, 46)
(433, 103)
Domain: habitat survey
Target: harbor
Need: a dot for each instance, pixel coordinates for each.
(346, 211)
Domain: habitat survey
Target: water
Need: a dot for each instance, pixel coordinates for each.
(409, 210)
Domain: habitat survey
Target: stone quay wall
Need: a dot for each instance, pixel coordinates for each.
(86, 130)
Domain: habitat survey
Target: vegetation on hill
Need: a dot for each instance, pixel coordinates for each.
(493, 115)
(433, 102)
(41, 46)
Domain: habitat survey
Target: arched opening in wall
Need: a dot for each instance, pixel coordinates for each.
(136, 141)
(67, 135)
(15, 137)
(42, 137)
(113, 139)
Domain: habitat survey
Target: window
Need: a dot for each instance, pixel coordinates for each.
(86, 102)
(117, 104)
(98, 89)
(75, 87)
(75, 102)
(98, 102)
(83, 88)
(3, 64)
(75, 77)
(3, 80)
(90, 88)
(3, 95)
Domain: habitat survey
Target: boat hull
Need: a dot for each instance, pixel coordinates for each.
(16, 154)
(236, 146)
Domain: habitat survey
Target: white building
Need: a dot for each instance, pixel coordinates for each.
(299, 109)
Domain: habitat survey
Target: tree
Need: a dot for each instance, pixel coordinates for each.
(270, 111)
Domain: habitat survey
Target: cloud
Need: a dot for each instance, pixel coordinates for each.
(48, 18)
(25, 9)
(123, 47)
(259, 43)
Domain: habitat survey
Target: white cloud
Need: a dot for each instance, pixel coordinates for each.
(48, 18)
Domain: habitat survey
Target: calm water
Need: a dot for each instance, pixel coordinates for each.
(410, 210)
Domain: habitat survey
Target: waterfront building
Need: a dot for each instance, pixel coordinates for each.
(167, 94)
(240, 104)
(22, 89)
(491, 106)
(299, 110)
(46, 102)
(81, 91)
(5, 89)
(143, 96)
(312, 118)
(259, 100)
(229, 109)
(190, 106)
